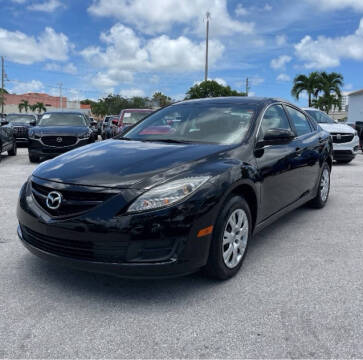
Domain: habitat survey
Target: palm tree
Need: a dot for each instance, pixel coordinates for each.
(331, 83)
(327, 102)
(39, 106)
(24, 104)
(310, 84)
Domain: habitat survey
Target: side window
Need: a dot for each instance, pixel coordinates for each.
(300, 121)
(274, 118)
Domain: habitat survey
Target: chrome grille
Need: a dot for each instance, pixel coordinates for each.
(59, 141)
(342, 138)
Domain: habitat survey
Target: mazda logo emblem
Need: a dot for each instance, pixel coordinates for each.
(54, 200)
(59, 139)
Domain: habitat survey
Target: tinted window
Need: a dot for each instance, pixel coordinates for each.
(196, 122)
(62, 119)
(20, 118)
(274, 118)
(300, 121)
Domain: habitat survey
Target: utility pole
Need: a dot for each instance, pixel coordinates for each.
(2, 95)
(206, 47)
(247, 87)
(60, 96)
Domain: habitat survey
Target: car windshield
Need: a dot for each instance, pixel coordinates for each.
(196, 122)
(320, 117)
(134, 117)
(62, 119)
(13, 119)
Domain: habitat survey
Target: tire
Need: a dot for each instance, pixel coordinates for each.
(14, 150)
(33, 158)
(220, 265)
(344, 161)
(322, 196)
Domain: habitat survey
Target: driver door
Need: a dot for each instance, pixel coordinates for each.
(277, 164)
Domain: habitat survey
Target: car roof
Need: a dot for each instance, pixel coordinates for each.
(64, 112)
(251, 100)
(311, 109)
(137, 110)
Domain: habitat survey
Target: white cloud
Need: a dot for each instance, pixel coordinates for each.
(154, 79)
(125, 54)
(280, 62)
(129, 93)
(46, 6)
(325, 52)
(283, 77)
(267, 7)
(165, 14)
(19, 1)
(281, 40)
(69, 68)
(257, 80)
(24, 49)
(20, 87)
(240, 10)
(331, 5)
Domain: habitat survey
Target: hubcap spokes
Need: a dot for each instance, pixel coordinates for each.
(235, 238)
(324, 185)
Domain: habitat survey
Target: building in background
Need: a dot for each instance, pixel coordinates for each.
(355, 109)
(52, 103)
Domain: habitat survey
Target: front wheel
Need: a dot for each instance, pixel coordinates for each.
(33, 158)
(231, 234)
(324, 188)
(13, 150)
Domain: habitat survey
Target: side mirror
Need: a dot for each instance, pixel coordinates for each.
(32, 123)
(277, 137)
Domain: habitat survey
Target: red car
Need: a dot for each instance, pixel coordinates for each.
(129, 117)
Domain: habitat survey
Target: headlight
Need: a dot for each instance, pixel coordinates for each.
(84, 136)
(167, 194)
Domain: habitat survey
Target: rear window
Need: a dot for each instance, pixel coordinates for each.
(134, 117)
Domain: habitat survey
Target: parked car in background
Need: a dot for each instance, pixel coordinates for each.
(129, 117)
(7, 138)
(21, 123)
(111, 129)
(105, 125)
(58, 132)
(150, 204)
(345, 138)
(92, 123)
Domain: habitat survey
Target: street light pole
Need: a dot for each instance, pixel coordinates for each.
(206, 46)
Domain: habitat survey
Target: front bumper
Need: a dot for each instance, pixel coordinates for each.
(156, 244)
(36, 147)
(346, 151)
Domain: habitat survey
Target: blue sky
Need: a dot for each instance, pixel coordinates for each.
(136, 47)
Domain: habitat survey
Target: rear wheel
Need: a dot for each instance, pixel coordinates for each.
(231, 234)
(324, 188)
(13, 150)
(33, 158)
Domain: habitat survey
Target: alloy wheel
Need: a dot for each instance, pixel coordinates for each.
(324, 185)
(235, 238)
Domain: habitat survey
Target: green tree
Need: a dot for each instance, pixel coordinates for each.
(24, 104)
(211, 88)
(39, 106)
(327, 101)
(160, 99)
(311, 84)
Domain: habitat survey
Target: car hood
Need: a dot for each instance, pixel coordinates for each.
(59, 130)
(128, 164)
(20, 124)
(337, 128)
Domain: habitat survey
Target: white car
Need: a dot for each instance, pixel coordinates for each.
(345, 138)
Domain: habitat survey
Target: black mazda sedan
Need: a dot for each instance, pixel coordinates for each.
(182, 190)
(58, 132)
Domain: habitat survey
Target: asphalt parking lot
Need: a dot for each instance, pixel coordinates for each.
(299, 294)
